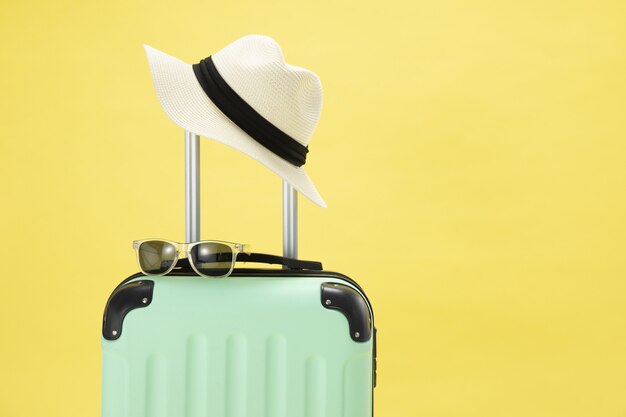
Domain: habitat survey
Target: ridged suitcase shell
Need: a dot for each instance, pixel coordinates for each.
(237, 347)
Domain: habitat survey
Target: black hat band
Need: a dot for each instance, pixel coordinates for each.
(244, 116)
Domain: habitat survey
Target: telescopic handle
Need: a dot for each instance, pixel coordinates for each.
(290, 221)
(192, 187)
(192, 201)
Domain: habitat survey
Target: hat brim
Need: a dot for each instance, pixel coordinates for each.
(188, 106)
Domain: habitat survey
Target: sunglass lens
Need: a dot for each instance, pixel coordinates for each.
(156, 257)
(212, 259)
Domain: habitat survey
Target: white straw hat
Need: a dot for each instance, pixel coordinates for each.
(246, 96)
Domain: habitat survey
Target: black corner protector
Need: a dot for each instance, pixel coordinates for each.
(136, 294)
(353, 305)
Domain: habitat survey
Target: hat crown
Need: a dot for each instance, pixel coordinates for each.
(287, 96)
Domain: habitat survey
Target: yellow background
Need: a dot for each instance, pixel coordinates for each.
(472, 154)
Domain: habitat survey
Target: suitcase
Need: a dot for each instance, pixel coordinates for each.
(259, 343)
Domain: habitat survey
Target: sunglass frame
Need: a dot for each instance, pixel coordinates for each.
(185, 249)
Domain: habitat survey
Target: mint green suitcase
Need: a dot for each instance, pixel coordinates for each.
(259, 343)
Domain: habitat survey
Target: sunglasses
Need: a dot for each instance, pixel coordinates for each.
(209, 258)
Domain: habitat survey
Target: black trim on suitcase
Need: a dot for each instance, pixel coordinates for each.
(352, 304)
(183, 269)
(124, 299)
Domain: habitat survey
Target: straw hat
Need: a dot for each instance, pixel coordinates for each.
(246, 96)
